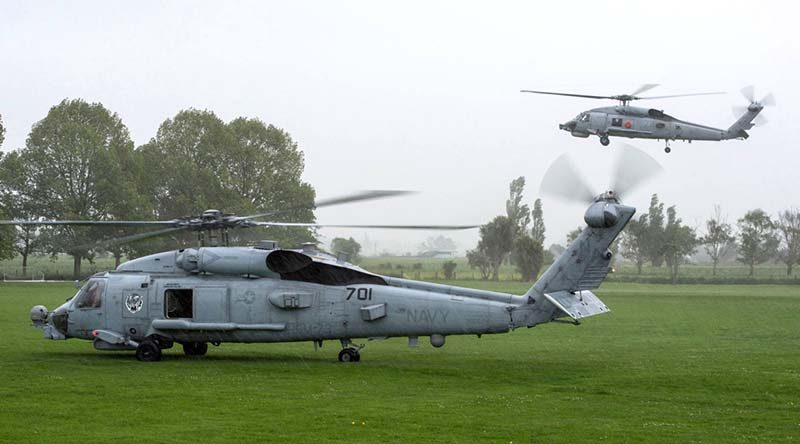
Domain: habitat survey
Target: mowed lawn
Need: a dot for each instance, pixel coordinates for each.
(668, 364)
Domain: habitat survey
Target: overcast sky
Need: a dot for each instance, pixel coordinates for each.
(425, 95)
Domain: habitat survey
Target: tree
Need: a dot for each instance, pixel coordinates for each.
(537, 222)
(197, 162)
(17, 202)
(633, 241)
(72, 161)
(789, 231)
(449, 269)
(757, 239)
(348, 246)
(497, 238)
(653, 240)
(2, 131)
(528, 256)
(718, 238)
(679, 242)
(478, 258)
(518, 213)
(6, 239)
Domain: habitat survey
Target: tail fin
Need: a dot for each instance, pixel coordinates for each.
(582, 266)
(586, 261)
(749, 117)
(739, 128)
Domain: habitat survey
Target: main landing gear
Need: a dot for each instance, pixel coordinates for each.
(604, 140)
(349, 353)
(195, 348)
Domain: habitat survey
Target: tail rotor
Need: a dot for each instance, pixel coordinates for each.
(633, 168)
(749, 93)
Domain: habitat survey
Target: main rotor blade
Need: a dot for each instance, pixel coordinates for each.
(633, 168)
(131, 238)
(390, 227)
(749, 93)
(89, 222)
(682, 95)
(645, 87)
(565, 94)
(349, 198)
(563, 180)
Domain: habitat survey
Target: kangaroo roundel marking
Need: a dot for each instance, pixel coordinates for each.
(134, 302)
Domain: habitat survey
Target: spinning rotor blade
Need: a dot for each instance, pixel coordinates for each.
(645, 87)
(566, 94)
(131, 238)
(355, 197)
(749, 93)
(633, 168)
(768, 100)
(89, 222)
(682, 95)
(563, 181)
(391, 227)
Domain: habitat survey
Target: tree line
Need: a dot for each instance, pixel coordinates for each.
(79, 163)
(517, 237)
(658, 237)
(755, 238)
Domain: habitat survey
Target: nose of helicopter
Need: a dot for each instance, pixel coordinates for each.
(569, 126)
(54, 324)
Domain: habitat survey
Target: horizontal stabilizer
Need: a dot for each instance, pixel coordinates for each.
(577, 306)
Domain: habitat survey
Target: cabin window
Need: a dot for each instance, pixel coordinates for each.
(616, 121)
(92, 294)
(178, 303)
(660, 125)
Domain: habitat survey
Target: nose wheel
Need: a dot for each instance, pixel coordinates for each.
(667, 149)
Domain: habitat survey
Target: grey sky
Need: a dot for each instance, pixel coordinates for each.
(424, 95)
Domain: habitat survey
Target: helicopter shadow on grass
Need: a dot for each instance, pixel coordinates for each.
(244, 356)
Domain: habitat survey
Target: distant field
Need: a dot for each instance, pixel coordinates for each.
(668, 364)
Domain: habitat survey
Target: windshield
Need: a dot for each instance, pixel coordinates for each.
(91, 295)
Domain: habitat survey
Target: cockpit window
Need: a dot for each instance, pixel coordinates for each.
(91, 296)
(584, 117)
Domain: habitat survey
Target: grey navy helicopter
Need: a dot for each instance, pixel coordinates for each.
(197, 296)
(628, 121)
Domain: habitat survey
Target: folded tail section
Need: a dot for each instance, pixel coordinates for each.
(562, 291)
(739, 128)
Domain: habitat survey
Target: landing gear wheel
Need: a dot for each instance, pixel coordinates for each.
(667, 150)
(349, 355)
(604, 140)
(148, 351)
(195, 348)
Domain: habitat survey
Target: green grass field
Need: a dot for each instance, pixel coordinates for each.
(668, 364)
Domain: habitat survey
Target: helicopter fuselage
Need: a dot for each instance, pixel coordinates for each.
(649, 123)
(266, 294)
(642, 123)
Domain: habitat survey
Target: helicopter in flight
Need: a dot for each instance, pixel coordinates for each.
(634, 122)
(211, 295)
